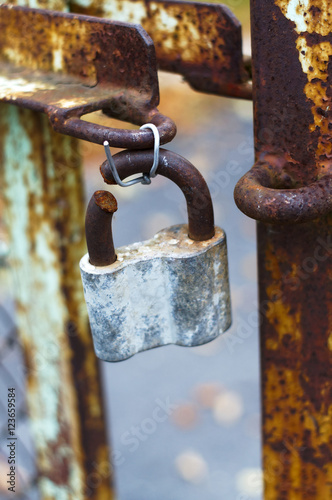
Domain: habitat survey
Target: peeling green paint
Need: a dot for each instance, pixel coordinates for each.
(35, 259)
(42, 186)
(42, 183)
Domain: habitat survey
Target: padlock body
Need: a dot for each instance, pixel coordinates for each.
(167, 290)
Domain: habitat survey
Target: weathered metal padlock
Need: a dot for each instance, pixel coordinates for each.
(172, 289)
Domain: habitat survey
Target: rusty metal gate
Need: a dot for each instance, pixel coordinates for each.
(288, 191)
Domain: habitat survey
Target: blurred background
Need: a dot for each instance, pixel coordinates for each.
(208, 444)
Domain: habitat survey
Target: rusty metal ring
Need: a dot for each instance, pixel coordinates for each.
(256, 197)
(71, 124)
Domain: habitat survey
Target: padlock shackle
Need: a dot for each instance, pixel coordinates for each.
(98, 228)
(181, 172)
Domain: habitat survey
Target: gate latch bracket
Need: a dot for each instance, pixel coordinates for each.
(68, 65)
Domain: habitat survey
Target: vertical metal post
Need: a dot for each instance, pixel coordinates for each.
(42, 187)
(292, 61)
(296, 349)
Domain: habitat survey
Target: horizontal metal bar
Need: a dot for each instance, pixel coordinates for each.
(68, 65)
(119, 138)
(201, 41)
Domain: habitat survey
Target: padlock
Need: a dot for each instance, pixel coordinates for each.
(171, 289)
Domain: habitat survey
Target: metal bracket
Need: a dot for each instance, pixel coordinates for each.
(201, 41)
(68, 65)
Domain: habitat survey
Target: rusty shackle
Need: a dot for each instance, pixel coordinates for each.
(98, 228)
(98, 223)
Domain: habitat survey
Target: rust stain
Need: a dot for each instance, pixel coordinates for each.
(69, 65)
(315, 63)
(57, 49)
(178, 170)
(68, 190)
(290, 191)
(292, 178)
(297, 360)
(313, 23)
(202, 42)
(44, 204)
(311, 16)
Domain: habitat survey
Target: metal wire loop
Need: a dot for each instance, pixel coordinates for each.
(156, 147)
(145, 178)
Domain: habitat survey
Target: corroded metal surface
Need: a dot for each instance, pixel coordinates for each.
(41, 179)
(293, 89)
(42, 185)
(69, 65)
(202, 42)
(98, 222)
(167, 290)
(98, 228)
(258, 196)
(291, 182)
(292, 177)
(181, 172)
(296, 342)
